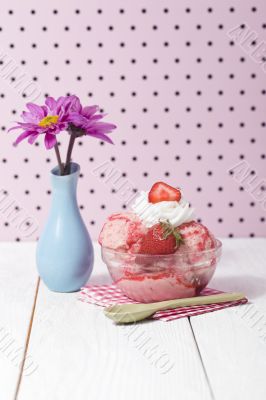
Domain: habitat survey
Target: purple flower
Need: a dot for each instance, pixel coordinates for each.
(88, 120)
(49, 120)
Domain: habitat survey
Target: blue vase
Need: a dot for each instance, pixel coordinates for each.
(64, 251)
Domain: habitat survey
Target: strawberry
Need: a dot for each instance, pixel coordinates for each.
(160, 191)
(161, 238)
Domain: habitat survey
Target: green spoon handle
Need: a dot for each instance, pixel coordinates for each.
(196, 301)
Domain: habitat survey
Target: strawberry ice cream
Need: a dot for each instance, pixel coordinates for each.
(195, 237)
(122, 232)
(155, 287)
(158, 251)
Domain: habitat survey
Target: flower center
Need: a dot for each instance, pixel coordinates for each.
(49, 120)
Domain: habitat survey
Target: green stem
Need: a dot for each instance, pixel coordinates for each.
(60, 165)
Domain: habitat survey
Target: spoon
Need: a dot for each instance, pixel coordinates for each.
(127, 313)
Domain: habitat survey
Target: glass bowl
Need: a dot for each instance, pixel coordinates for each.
(149, 278)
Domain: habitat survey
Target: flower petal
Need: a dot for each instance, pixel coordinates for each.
(33, 138)
(100, 136)
(28, 117)
(37, 112)
(49, 140)
(97, 117)
(51, 104)
(28, 127)
(14, 127)
(60, 103)
(77, 119)
(89, 111)
(73, 104)
(103, 127)
(23, 136)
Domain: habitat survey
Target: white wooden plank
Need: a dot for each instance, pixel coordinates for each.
(232, 342)
(243, 268)
(83, 355)
(18, 280)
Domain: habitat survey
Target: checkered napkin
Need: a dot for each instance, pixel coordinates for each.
(106, 295)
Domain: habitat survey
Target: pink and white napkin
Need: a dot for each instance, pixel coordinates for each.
(107, 295)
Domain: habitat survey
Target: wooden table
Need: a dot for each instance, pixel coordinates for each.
(74, 353)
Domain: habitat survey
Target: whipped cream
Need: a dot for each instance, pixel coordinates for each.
(176, 212)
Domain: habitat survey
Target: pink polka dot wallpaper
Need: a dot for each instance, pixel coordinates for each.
(185, 83)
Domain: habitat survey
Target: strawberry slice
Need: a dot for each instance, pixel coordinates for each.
(160, 191)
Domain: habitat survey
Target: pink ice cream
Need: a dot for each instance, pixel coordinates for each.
(122, 232)
(195, 237)
(156, 286)
(152, 277)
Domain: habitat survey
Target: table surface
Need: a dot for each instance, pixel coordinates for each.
(71, 351)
